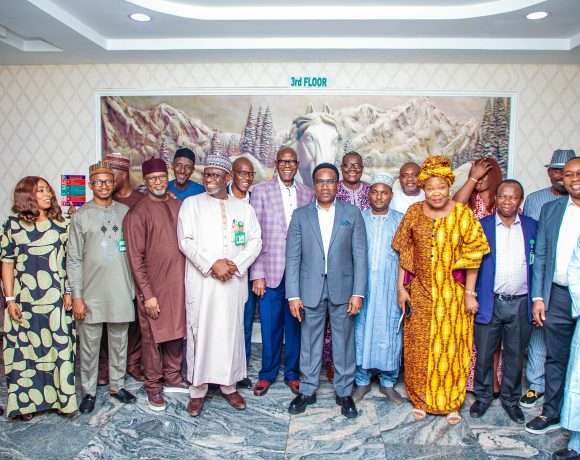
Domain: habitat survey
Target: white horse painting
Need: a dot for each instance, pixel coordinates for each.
(317, 140)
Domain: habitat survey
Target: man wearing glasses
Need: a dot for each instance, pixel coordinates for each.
(274, 202)
(326, 273)
(158, 269)
(219, 254)
(242, 179)
(102, 287)
(351, 189)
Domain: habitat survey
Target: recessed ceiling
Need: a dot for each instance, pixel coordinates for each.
(101, 31)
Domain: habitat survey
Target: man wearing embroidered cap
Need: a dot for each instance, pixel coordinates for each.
(158, 269)
(102, 287)
(218, 253)
(123, 193)
(378, 337)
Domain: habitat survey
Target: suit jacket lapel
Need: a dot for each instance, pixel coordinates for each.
(492, 245)
(335, 226)
(277, 204)
(558, 217)
(313, 217)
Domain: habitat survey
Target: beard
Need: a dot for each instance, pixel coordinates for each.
(159, 193)
(559, 187)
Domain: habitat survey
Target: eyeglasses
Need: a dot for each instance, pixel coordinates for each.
(213, 176)
(156, 179)
(245, 174)
(325, 181)
(100, 183)
(287, 162)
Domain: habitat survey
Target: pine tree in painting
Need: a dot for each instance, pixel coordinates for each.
(217, 146)
(249, 134)
(502, 132)
(164, 152)
(258, 138)
(231, 148)
(266, 141)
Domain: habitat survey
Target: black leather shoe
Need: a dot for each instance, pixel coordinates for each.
(347, 406)
(299, 403)
(566, 454)
(244, 383)
(478, 409)
(515, 413)
(124, 396)
(87, 404)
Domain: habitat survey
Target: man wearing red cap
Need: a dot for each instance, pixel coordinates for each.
(158, 269)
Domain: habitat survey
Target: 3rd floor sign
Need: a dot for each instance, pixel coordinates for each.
(309, 82)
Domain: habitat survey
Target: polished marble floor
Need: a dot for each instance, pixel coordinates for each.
(266, 430)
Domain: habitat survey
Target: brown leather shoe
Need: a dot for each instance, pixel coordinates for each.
(195, 406)
(261, 387)
(330, 373)
(235, 400)
(294, 385)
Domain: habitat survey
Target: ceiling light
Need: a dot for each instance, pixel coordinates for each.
(537, 15)
(140, 17)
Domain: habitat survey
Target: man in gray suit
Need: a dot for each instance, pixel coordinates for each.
(326, 270)
(558, 231)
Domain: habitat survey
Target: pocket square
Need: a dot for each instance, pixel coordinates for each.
(346, 222)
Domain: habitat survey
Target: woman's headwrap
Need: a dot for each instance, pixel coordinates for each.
(436, 166)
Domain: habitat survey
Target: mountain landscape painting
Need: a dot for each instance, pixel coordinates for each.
(386, 130)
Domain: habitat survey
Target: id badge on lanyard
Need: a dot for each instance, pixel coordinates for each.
(239, 232)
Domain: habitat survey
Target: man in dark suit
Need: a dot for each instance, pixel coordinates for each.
(503, 291)
(326, 271)
(558, 231)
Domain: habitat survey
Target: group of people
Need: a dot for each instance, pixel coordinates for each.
(358, 277)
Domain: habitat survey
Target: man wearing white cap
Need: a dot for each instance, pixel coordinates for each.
(378, 337)
(218, 253)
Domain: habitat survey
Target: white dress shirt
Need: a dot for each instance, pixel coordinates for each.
(289, 199)
(326, 222)
(401, 201)
(567, 238)
(510, 265)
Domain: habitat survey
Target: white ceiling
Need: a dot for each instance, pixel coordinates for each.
(81, 31)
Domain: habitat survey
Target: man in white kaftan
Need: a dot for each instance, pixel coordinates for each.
(220, 238)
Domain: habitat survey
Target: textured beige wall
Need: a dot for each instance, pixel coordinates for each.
(48, 113)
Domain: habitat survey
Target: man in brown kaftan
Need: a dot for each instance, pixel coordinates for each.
(159, 271)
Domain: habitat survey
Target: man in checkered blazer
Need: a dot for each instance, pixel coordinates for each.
(274, 202)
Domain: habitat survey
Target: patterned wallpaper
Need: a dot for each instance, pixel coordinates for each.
(48, 113)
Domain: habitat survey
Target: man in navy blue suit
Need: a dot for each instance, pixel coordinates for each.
(558, 232)
(503, 290)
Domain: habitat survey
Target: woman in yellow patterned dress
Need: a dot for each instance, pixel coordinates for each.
(441, 245)
(39, 339)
